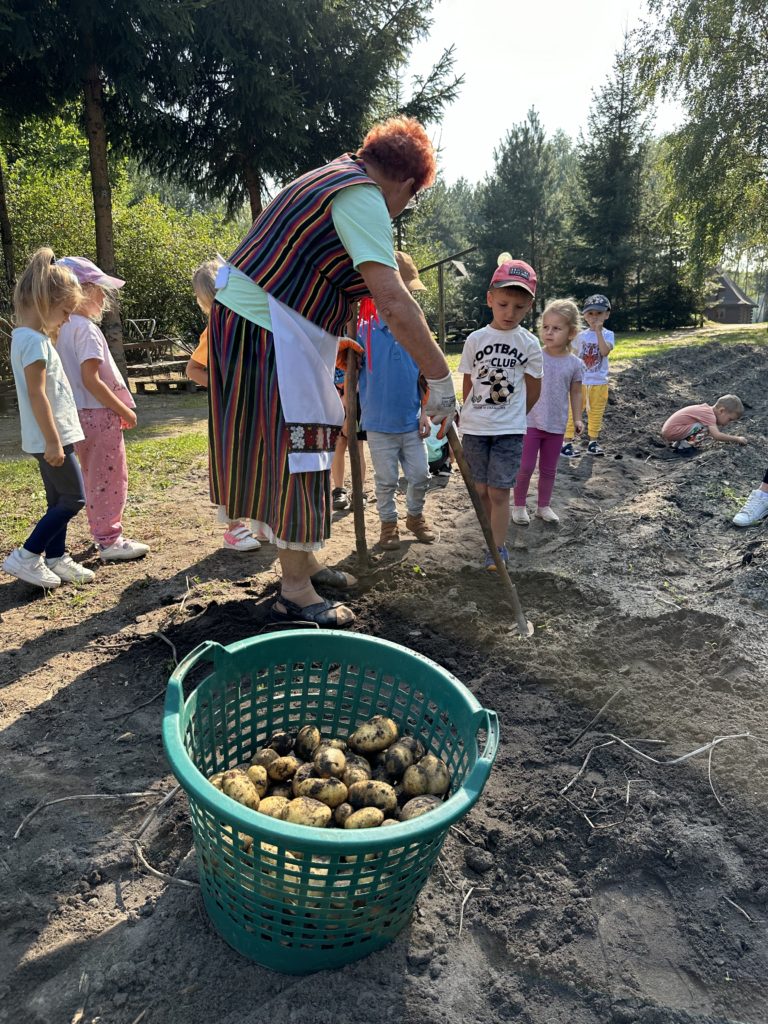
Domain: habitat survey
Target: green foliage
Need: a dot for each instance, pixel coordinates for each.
(712, 55)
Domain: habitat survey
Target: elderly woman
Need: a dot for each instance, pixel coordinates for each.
(282, 300)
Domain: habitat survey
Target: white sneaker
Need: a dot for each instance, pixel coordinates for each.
(27, 566)
(547, 514)
(754, 510)
(123, 550)
(70, 571)
(241, 539)
(520, 515)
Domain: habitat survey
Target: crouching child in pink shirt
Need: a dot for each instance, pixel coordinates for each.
(687, 428)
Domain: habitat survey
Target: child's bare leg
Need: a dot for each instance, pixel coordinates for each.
(337, 465)
(499, 502)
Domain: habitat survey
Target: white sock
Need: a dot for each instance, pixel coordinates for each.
(28, 554)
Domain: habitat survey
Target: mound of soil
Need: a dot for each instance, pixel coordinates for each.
(599, 882)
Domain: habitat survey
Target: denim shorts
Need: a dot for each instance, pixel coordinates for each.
(493, 460)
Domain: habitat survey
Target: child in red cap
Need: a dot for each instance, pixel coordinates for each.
(502, 366)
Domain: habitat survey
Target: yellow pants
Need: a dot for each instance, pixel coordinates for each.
(595, 397)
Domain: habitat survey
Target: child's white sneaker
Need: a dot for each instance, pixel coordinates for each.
(26, 565)
(123, 550)
(754, 511)
(547, 514)
(70, 571)
(240, 538)
(520, 515)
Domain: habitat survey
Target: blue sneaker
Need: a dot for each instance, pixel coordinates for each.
(490, 565)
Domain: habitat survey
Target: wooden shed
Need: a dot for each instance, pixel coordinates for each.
(729, 304)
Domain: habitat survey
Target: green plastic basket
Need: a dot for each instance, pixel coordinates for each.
(298, 899)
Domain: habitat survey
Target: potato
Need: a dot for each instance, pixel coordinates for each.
(390, 821)
(329, 761)
(341, 814)
(257, 773)
(215, 780)
(418, 806)
(380, 774)
(281, 789)
(244, 842)
(397, 759)
(307, 741)
(374, 735)
(335, 741)
(366, 817)
(430, 775)
(372, 794)
(283, 768)
(274, 806)
(304, 771)
(282, 742)
(355, 774)
(330, 791)
(306, 811)
(265, 757)
(415, 746)
(239, 787)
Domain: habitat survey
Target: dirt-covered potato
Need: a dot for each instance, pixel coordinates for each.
(215, 780)
(419, 805)
(397, 759)
(282, 789)
(307, 741)
(374, 735)
(329, 761)
(283, 768)
(366, 817)
(331, 791)
(265, 757)
(306, 811)
(244, 842)
(238, 786)
(415, 746)
(430, 775)
(341, 814)
(304, 771)
(274, 806)
(390, 821)
(335, 741)
(282, 742)
(372, 794)
(380, 774)
(257, 773)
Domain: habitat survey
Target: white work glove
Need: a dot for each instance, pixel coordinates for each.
(440, 403)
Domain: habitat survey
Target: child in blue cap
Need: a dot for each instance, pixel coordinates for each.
(593, 346)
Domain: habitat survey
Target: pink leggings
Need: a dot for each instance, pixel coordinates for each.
(102, 460)
(545, 446)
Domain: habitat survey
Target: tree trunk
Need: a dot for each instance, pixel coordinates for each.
(253, 185)
(93, 97)
(7, 237)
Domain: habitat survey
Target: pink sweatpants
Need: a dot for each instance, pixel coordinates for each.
(105, 472)
(546, 447)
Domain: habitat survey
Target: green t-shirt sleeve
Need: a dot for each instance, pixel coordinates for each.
(362, 222)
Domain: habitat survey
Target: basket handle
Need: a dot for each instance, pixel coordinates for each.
(478, 776)
(208, 650)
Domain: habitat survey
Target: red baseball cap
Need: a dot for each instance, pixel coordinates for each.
(515, 274)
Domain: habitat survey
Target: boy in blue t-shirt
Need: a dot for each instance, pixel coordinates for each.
(393, 420)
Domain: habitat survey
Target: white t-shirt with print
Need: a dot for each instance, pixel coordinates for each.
(27, 347)
(589, 353)
(497, 362)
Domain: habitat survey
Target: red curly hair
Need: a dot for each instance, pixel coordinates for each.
(402, 149)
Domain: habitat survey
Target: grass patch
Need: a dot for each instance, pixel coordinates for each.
(153, 466)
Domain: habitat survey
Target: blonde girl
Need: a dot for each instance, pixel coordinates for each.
(558, 326)
(237, 536)
(44, 298)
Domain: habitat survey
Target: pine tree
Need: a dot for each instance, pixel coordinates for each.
(608, 198)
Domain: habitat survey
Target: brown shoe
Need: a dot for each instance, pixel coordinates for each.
(390, 537)
(418, 526)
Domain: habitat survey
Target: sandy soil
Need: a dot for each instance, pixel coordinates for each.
(636, 896)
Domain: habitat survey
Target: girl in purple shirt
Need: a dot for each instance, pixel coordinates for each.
(559, 325)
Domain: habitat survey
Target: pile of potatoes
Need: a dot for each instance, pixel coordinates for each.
(376, 777)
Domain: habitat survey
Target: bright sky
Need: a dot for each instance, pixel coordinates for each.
(549, 54)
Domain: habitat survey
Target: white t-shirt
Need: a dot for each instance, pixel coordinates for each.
(498, 361)
(27, 347)
(80, 339)
(589, 353)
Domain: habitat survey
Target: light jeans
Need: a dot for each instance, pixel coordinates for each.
(388, 451)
